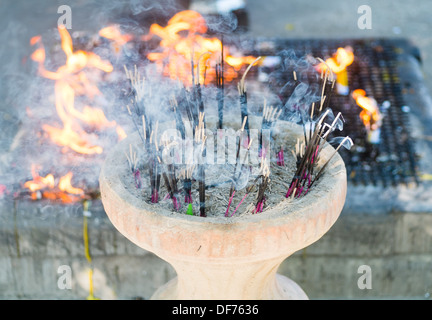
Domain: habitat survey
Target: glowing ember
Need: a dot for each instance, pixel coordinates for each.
(182, 42)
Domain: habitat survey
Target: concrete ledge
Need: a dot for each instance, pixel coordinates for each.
(37, 238)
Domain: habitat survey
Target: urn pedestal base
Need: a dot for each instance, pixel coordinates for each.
(283, 288)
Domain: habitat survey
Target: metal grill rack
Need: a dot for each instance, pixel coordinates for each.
(393, 160)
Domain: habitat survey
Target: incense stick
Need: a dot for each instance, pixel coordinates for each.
(243, 96)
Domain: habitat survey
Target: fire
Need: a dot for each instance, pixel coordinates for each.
(370, 115)
(113, 33)
(46, 187)
(121, 133)
(69, 138)
(183, 41)
(65, 185)
(342, 58)
(71, 81)
(39, 182)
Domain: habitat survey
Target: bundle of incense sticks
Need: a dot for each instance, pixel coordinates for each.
(243, 98)
(265, 174)
(133, 165)
(328, 81)
(188, 104)
(269, 117)
(237, 163)
(200, 139)
(307, 152)
(220, 86)
(186, 175)
(307, 155)
(139, 114)
(155, 168)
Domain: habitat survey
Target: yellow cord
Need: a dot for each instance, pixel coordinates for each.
(86, 240)
(87, 252)
(91, 296)
(426, 177)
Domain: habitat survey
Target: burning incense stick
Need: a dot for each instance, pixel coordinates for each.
(307, 155)
(243, 96)
(186, 174)
(265, 173)
(237, 156)
(201, 170)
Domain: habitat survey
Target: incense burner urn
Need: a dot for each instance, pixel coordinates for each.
(225, 257)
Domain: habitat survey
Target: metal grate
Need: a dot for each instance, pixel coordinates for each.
(393, 161)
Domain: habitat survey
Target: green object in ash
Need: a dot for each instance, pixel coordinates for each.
(190, 210)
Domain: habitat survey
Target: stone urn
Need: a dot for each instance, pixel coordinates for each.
(225, 257)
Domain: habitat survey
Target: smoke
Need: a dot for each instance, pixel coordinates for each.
(137, 14)
(296, 79)
(223, 24)
(345, 142)
(161, 95)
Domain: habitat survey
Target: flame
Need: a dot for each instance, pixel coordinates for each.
(65, 185)
(342, 58)
(38, 182)
(121, 133)
(370, 115)
(113, 33)
(45, 187)
(182, 41)
(35, 40)
(72, 81)
(67, 137)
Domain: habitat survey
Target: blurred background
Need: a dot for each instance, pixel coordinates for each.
(388, 229)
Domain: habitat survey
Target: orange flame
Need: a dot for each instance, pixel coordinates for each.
(65, 185)
(121, 133)
(339, 62)
(39, 182)
(182, 41)
(71, 81)
(69, 138)
(45, 187)
(370, 115)
(113, 33)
